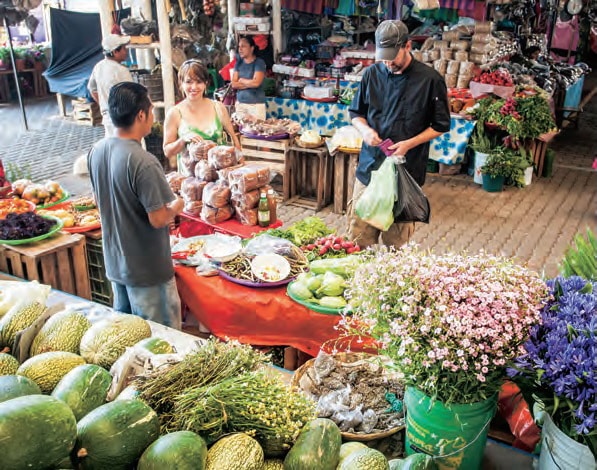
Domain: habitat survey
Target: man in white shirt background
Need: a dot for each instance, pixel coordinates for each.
(107, 73)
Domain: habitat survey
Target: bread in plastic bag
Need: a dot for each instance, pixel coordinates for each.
(246, 216)
(223, 156)
(248, 200)
(215, 215)
(175, 180)
(248, 178)
(192, 189)
(187, 163)
(224, 172)
(193, 207)
(375, 206)
(205, 172)
(199, 150)
(216, 194)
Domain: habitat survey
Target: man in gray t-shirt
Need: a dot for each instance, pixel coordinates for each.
(136, 206)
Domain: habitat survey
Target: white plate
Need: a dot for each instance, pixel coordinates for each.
(270, 268)
(222, 248)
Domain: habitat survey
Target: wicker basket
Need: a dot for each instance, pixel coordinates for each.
(346, 358)
(308, 145)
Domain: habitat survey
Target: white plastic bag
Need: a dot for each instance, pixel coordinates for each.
(376, 204)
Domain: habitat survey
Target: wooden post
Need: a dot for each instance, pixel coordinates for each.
(277, 28)
(166, 54)
(106, 8)
(232, 12)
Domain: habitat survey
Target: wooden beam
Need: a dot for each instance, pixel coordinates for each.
(165, 54)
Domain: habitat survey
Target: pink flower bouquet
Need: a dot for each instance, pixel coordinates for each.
(451, 323)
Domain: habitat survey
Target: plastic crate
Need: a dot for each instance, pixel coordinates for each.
(326, 51)
(101, 287)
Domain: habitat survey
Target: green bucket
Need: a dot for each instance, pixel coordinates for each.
(454, 435)
(493, 184)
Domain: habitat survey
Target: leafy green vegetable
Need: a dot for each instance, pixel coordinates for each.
(581, 257)
(302, 232)
(331, 285)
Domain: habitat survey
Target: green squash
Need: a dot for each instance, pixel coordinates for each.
(414, 462)
(182, 450)
(115, 435)
(365, 459)
(317, 447)
(37, 432)
(348, 448)
(8, 364)
(84, 388)
(13, 386)
(235, 452)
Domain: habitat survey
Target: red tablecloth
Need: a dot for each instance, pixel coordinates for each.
(191, 226)
(260, 316)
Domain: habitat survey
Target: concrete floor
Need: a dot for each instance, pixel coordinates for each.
(534, 224)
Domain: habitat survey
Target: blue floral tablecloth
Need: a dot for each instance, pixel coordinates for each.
(326, 117)
(319, 117)
(449, 148)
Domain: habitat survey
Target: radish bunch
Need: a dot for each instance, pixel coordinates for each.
(331, 246)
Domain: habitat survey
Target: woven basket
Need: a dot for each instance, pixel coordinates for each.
(347, 358)
(308, 145)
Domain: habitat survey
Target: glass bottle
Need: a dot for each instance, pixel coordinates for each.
(263, 215)
(273, 206)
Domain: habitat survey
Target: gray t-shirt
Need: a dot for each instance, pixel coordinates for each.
(129, 182)
(250, 95)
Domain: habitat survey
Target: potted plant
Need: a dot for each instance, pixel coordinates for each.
(38, 55)
(451, 324)
(557, 372)
(20, 54)
(4, 57)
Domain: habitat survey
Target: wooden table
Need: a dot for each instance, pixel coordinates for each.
(38, 82)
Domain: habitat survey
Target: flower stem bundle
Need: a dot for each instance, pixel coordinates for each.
(213, 363)
(254, 403)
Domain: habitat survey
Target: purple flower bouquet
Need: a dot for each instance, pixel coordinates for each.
(559, 368)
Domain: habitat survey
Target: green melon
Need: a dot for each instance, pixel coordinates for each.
(128, 393)
(365, 459)
(108, 339)
(156, 345)
(84, 388)
(235, 452)
(62, 332)
(13, 386)
(182, 450)
(317, 446)
(47, 369)
(273, 464)
(37, 432)
(413, 462)
(8, 364)
(115, 435)
(348, 448)
(18, 319)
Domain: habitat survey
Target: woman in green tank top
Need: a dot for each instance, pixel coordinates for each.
(195, 118)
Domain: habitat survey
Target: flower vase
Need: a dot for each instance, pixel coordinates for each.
(528, 176)
(558, 451)
(493, 184)
(480, 160)
(455, 435)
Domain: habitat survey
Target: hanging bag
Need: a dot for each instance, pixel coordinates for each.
(226, 95)
(411, 203)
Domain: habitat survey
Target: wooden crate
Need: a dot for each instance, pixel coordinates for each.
(87, 114)
(345, 168)
(311, 172)
(274, 154)
(59, 261)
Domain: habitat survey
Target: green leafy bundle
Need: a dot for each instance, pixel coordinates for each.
(581, 257)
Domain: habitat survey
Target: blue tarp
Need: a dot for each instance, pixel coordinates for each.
(76, 48)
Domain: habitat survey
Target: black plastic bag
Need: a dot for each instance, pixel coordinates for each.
(411, 204)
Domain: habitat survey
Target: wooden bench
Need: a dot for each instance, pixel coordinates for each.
(273, 153)
(59, 261)
(311, 177)
(345, 168)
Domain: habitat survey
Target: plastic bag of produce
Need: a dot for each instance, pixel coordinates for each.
(248, 200)
(246, 216)
(21, 293)
(248, 178)
(216, 215)
(223, 156)
(376, 204)
(199, 150)
(205, 172)
(411, 203)
(192, 189)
